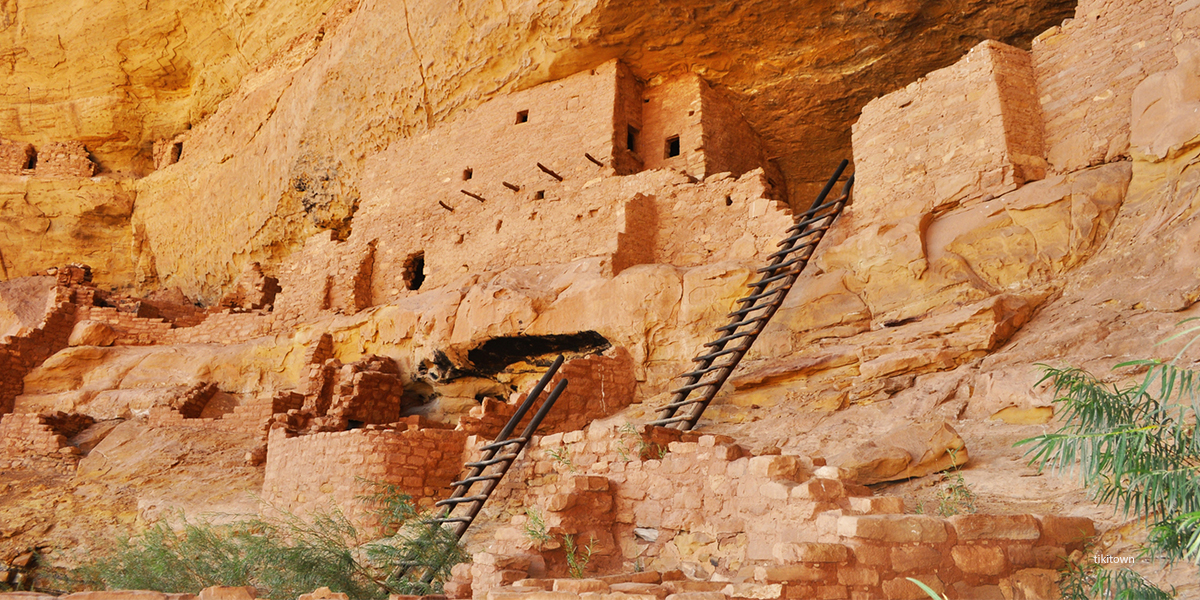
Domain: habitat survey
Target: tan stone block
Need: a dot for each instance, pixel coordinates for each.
(698, 595)
(1069, 532)
(877, 505)
(862, 576)
(893, 528)
(912, 558)
(641, 589)
(579, 586)
(1030, 584)
(983, 560)
(820, 489)
(788, 552)
(755, 591)
(996, 527)
(900, 588)
(218, 592)
(775, 467)
(517, 593)
(541, 584)
(1022, 556)
(785, 573)
(116, 595)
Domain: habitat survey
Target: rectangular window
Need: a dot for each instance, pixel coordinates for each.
(522, 117)
(631, 134)
(672, 146)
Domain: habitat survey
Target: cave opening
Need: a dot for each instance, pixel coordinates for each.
(496, 354)
(414, 271)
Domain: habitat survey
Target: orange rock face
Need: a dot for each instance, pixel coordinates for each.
(328, 243)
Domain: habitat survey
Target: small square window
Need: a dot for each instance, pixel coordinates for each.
(540, 195)
(467, 174)
(672, 148)
(522, 117)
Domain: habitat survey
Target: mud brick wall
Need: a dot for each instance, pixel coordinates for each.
(627, 114)
(598, 386)
(20, 354)
(1087, 69)
(14, 157)
(316, 472)
(223, 328)
(131, 329)
(803, 530)
(64, 159)
(730, 144)
(725, 219)
(253, 417)
(40, 439)
(958, 134)
(673, 110)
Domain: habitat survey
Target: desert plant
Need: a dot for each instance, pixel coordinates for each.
(577, 558)
(285, 555)
(535, 526)
(925, 588)
(562, 456)
(1136, 447)
(956, 497)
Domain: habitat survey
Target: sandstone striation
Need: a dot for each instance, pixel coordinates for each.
(297, 283)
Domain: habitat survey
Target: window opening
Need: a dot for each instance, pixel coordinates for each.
(414, 271)
(631, 134)
(176, 152)
(672, 146)
(540, 195)
(467, 173)
(522, 117)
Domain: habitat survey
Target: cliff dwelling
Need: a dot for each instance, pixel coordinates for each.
(567, 301)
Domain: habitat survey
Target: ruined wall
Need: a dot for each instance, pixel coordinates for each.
(15, 157)
(958, 134)
(40, 439)
(21, 353)
(319, 471)
(64, 159)
(794, 529)
(673, 111)
(253, 417)
(1087, 69)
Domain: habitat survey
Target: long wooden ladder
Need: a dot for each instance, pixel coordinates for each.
(722, 355)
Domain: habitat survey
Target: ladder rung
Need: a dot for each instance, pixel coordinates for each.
(733, 326)
(490, 462)
(770, 292)
(720, 342)
(761, 283)
(799, 259)
(710, 369)
(791, 249)
(476, 479)
(693, 386)
(711, 355)
(475, 498)
(503, 443)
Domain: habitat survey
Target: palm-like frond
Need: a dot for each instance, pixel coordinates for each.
(1135, 447)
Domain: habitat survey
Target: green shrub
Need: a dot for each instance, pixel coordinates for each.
(1137, 448)
(284, 555)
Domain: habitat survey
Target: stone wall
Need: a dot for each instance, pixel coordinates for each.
(64, 159)
(19, 354)
(323, 470)
(14, 157)
(1087, 69)
(769, 526)
(599, 386)
(254, 417)
(960, 133)
(41, 439)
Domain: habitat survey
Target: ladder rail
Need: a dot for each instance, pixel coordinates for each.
(767, 295)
